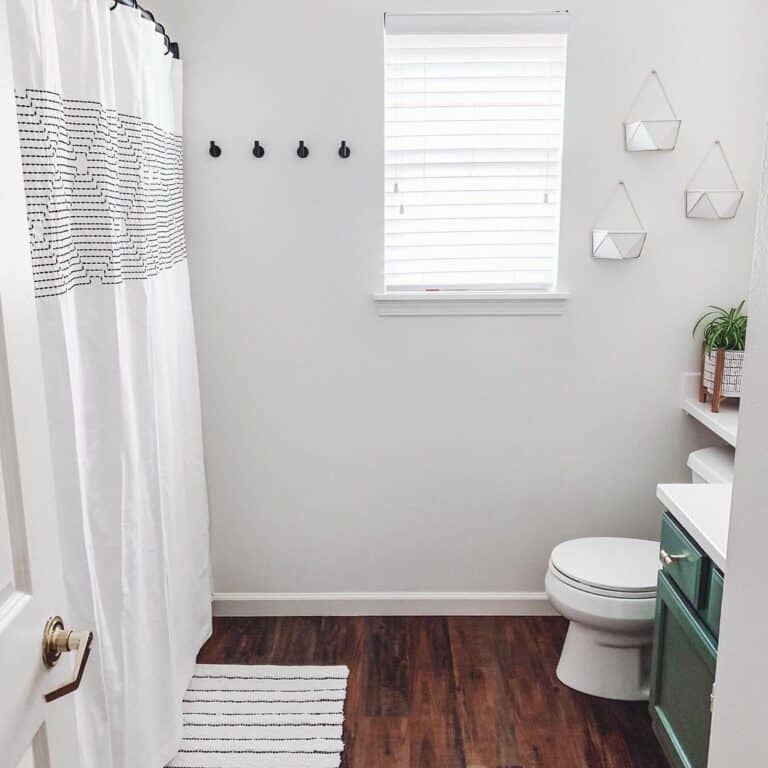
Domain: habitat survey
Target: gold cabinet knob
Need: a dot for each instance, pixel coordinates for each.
(667, 559)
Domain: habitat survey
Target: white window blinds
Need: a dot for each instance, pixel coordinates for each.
(473, 146)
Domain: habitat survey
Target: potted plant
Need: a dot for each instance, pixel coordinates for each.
(725, 334)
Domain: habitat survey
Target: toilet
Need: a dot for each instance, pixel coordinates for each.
(606, 588)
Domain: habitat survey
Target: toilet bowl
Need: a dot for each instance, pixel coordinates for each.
(606, 588)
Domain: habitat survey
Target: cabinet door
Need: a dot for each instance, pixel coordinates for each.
(684, 658)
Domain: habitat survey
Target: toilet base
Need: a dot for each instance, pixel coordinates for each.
(611, 665)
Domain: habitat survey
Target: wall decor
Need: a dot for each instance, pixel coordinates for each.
(258, 150)
(713, 202)
(646, 135)
(620, 244)
(214, 150)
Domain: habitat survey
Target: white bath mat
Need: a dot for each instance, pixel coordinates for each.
(263, 717)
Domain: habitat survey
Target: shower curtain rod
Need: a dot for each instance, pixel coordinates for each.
(170, 47)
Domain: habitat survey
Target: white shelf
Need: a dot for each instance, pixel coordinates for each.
(724, 424)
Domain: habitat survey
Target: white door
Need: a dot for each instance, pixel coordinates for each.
(33, 732)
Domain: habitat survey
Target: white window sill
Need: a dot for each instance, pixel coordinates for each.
(442, 303)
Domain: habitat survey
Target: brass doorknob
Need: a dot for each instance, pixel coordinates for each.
(57, 641)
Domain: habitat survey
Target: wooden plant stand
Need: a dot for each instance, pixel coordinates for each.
(717, 388)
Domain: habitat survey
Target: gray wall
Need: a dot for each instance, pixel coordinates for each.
(352, 453)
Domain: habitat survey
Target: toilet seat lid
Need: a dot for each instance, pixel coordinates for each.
(615, 564)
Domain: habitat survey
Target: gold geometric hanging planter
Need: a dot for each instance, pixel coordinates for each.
(712, 202)
(617, 244)
(651, 135)
(620, 244)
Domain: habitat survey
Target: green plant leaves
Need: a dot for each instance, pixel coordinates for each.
(724, 329)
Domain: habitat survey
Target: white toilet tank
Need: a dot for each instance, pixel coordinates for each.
(712, 465)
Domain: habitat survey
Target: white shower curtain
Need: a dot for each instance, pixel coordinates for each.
(99, 106)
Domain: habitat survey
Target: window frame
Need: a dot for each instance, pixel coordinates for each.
(471, 300)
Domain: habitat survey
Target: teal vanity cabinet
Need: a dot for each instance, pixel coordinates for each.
(685, 648)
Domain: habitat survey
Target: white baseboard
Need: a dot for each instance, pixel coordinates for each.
(382, 604)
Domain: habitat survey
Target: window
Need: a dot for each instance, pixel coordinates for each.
(473, 146)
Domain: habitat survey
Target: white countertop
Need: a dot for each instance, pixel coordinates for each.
(704, 510)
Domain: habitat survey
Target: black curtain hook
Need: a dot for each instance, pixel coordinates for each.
(214, 150)
(302, 150)
(344, 150)
(258, 150)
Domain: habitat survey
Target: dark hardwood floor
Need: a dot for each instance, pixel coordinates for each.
(450, 692)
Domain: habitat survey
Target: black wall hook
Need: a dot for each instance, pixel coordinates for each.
(214, 150)
(258, 150)
(303, 150)
(344, 150)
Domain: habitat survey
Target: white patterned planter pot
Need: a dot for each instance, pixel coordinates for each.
(732, 372)
(721, 376)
